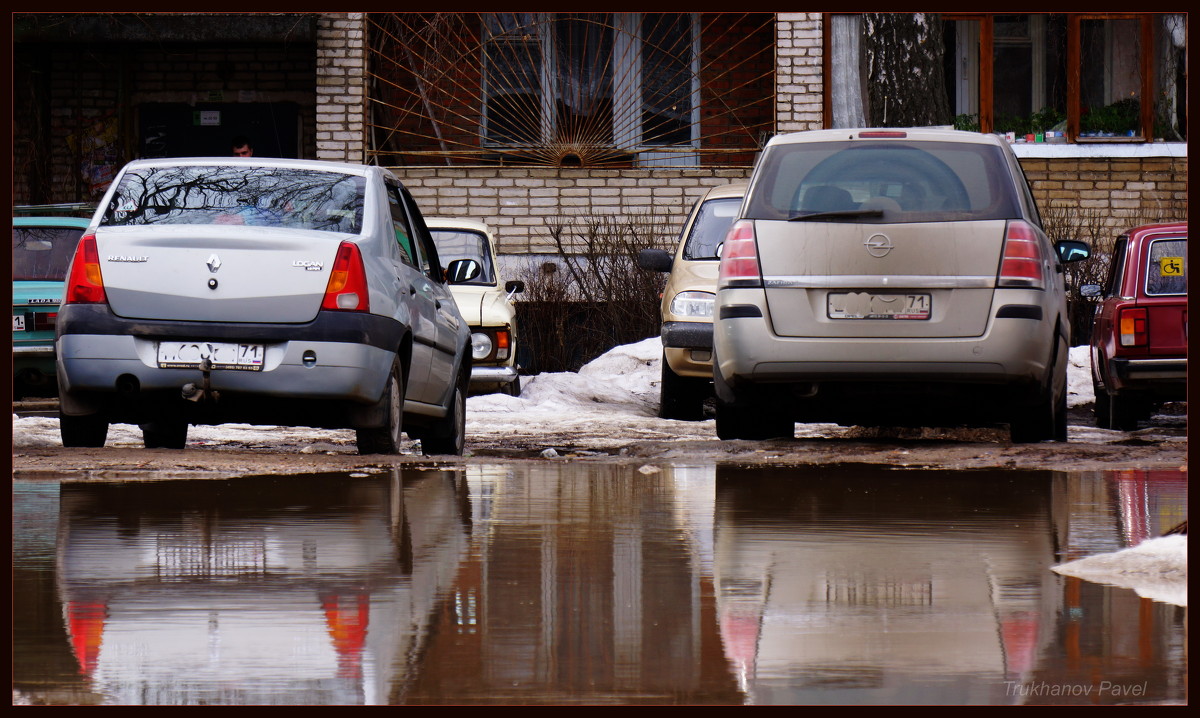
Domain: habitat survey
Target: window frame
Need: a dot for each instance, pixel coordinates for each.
(986, 68)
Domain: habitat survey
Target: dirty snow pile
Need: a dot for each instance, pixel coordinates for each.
(1155, 569)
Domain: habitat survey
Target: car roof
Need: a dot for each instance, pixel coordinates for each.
(78, 222)
(726, 191)
(320, 165)
(457, 223)
(915, 133)
(1160, 227)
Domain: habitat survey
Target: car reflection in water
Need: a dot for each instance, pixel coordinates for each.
(855, 585)
(261, 590)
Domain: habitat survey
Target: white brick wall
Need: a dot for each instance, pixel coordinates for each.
(341, 85)
(799, 83)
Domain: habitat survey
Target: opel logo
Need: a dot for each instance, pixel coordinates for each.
(878, 245)
(214, 263)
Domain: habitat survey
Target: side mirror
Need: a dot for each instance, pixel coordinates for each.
(514, 286)
(461, 271)
(1090, 290)
(1070, 250)
(655, 260)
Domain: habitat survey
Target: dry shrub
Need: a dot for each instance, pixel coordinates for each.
(593, 296)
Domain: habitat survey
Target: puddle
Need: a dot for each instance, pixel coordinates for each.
(586, 583)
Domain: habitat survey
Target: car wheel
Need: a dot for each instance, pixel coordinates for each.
(681, 397)
(165, 433)
(386, 439)
(753, 420)
(1044, 420)
(450, 437)
(513, 388)
(88, 432)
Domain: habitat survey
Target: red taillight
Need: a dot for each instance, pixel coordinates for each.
(739, 257)
(1023, 264)
(347, 289)
(881, 134)
(1134, 325)
(85, 285)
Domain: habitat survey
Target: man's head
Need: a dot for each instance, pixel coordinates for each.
(241, 147)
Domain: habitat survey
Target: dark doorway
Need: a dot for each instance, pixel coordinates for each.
(205, 129)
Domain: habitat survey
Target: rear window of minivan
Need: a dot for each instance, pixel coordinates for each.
(913, 181)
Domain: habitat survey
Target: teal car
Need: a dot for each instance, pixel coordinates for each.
(42, 248)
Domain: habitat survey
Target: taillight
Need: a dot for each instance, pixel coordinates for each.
(347, 289)
(1023, 264)
(739, 257)
(84, 283)
(1134, 325)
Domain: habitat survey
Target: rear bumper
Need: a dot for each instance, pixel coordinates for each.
(343, 358)
(1164, 378)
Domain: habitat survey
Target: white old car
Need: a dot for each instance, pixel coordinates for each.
(484, 301)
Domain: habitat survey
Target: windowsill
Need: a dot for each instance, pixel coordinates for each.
(1099, 149)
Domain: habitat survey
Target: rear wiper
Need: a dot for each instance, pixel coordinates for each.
(837, 213)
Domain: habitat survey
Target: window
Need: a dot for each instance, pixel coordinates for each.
(1091, 77)
(588, 82)
(1166, 272)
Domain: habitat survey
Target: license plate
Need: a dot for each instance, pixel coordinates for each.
(18, 322)
(865, 305)
(220, 355)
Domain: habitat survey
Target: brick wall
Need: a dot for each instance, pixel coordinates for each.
(341, 87)
(1126, 190)
(799, 83)
(519, 203)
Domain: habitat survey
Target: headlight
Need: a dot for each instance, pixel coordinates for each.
(693, 304)
(481, 346)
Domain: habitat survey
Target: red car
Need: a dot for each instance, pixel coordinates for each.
(1139, 336)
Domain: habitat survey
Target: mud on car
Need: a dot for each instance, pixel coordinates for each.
(261, 291)
(891, 278)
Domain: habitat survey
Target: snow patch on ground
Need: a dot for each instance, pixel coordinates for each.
(1155, 569)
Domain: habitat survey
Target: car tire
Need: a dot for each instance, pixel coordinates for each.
(450, 436)
(165, 433)
(681, 397)
(753, 420)
(1045, 420)
(386, 439)
(85, 432)
(513, 388)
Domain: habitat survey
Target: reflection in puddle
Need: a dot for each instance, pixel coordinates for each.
(591, 583)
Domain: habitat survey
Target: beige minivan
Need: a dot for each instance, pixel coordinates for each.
(891, 277)
(687, 302)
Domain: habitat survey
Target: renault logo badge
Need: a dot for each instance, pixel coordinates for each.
(878, 245)
(214, 263)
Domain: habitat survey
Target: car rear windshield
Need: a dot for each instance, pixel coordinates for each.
(260, 196)
(909, 180)
(710, 228)
(43, 253)
(1166, 272)
(455, 244)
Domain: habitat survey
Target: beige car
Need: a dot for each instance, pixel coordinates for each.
(687, 304)
(485, 303)
(891, 278)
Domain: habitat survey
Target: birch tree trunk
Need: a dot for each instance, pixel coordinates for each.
(906, 84)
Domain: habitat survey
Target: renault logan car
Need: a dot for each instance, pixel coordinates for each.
(687, 302)
(41, 250)
(485, 303)
(264, 291)
(1139, 334)
(891, 278)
